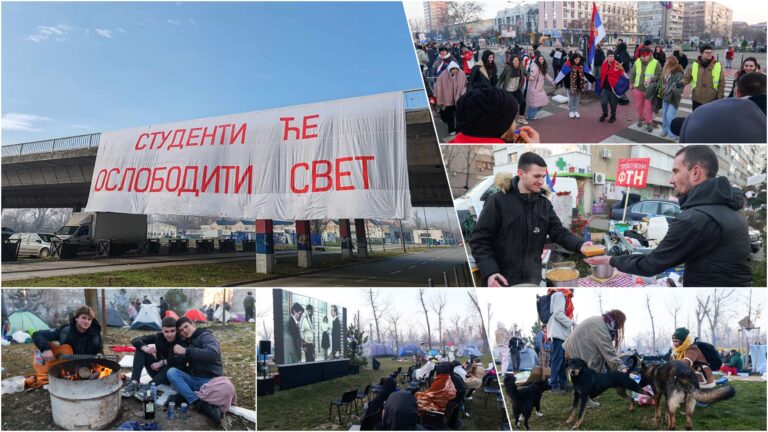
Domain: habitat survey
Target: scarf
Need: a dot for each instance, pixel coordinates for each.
(611, 323)
(568, 299)
(679, 352)
(577, 80)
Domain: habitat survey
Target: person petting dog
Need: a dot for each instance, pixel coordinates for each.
(597, 341)
(685, 350)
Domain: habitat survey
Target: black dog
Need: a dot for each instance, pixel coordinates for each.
(589, 384)
(524, 400)
(678, 383)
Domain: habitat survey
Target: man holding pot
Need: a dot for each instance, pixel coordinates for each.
(709, 236)
(512, 229)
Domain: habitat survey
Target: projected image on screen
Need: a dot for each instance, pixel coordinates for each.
(307, 329)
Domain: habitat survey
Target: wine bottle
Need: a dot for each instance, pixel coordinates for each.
(149, 406)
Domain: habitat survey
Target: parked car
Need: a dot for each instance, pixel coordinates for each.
(34, 244)
(648, 208)
(755, 240)
(7, 233)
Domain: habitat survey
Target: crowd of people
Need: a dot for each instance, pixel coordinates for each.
(481, 104)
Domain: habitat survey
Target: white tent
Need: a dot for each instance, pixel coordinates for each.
(148, 317)
(219, 313)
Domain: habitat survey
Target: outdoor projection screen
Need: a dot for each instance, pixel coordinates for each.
(307, 339)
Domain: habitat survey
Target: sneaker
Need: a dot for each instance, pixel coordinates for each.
(649, 127)
(663, 134)
(576, 114)
(452, 133)
(522, 120)
(129, 389)
(640, 123)
(612, 119)
(141, 391)
(209, 410)
(592, 404)
(559, 391)
(570, 114)
(603, 117)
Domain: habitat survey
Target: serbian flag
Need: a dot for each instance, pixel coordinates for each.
(596, 34)
(567, 68)
(551, 182)
(667, 4)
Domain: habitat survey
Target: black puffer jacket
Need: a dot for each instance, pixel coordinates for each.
(709, 236)
(203, 355)
(511, 232)
(81, 343)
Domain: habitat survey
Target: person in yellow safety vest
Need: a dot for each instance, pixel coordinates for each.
(706, 77)
(646, 70)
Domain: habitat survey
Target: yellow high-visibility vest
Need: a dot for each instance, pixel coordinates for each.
(715, 74)
(649, 71)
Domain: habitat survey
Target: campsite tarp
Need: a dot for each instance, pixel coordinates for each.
(411, 350)
(757, 352)
(433, 352)
(170, 313)
(470, 351)
(528, 359)
(114, 319)
(27, 322)
(148, 317)
(378, 350)
(195, 315)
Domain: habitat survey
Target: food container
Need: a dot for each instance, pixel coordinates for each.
(563, 277)
(602, 271)
(593, 250)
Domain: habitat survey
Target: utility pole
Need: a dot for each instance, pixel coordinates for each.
(429, 239)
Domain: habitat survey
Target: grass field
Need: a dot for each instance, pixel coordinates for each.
(306, 408)
(211, 274)
(746, 411)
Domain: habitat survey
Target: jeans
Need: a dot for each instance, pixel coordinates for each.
(557, 365)
(531, 114)
(728, 63)
(515, 357)
(643, 106)
(186, 384)
(668, 113)
(573, 102)
(520, 101)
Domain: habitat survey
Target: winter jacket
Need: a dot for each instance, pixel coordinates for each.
(736, 362)
(163, 347)
(506, 76)
(670, 92)
(448, 89)
(681, 58)
(536, 96)
(585, 76)
(480, 76)
(759, 100)
(709, 236)
(599, 58)
(556, 63)
(705, 88)
(623, 56)
(465, 58)
(204, 355)
(559, 325)
(82, 343)
(591, 341)
(645, 81)
(511, 232)
(661, 57)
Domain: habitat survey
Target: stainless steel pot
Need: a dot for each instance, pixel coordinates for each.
(602, 271)
(570, 283)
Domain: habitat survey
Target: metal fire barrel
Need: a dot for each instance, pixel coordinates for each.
(84, 404)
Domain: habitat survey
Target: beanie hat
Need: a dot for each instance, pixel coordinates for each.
(746, 123)
(680, 334)
(486, 112)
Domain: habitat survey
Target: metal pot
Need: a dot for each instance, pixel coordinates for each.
(569, 283)
(84, 404)
(602, 271)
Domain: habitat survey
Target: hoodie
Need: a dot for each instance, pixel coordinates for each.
(203, 355)
(709, 236)
(81, 343)
(725, 121)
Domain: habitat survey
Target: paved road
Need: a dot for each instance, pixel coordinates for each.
(554, 124)
(413, 269)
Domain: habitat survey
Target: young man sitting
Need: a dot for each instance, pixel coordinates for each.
(155, 353)
(83, 334)
(202, 355)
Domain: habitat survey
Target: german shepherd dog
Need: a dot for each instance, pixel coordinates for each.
(525, 399)
(678, 383)
(589, 384)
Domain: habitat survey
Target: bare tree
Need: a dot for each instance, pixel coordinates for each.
(702, 309)
(38, 218)
(600, 300)
(653, 325)
(459, 331)
(461, 12)
(411, 336)
(674, 308)
(426, 317)
(417, 25)
(394, 318)
(378, 305)
(719, 298)
(483, 334)
(438, 307)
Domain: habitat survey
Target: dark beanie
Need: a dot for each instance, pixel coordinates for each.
(486, 112)
(443, 368)
(680, 334)
(746, 123)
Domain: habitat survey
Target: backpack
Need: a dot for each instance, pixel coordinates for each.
(542, 307)
(710, 353)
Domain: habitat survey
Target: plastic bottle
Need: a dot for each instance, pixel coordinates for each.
(153, 389)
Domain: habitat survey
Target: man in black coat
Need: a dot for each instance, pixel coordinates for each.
(510, 234)
(293, 335)
(83, 334)
(155, 353)
(163, 307)
(335, 332)
(709, 235)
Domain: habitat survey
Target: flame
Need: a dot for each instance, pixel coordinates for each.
(102, 372)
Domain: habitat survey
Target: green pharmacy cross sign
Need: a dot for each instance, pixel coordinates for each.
(561, 164)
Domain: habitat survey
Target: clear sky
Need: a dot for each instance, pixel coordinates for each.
(742, 10)
(83, 67)
(517, 306)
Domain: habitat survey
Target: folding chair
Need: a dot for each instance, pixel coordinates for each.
(346, 400)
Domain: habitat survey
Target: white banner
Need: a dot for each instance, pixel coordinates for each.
(338, 159)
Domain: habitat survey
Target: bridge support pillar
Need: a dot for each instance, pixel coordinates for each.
(345, 232)
(362, 240)
(77, 208)
(265, 247)
(304, 243)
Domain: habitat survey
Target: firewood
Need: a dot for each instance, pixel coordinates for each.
(84, 373)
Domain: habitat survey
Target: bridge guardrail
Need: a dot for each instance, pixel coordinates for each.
(413, 100)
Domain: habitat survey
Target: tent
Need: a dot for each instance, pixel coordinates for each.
(195, 315)
(757, 352)
(27, 322)
(433, 352)
(378, 350)
(469, 351)
(528, 359)
(114, 319)
(411, 350)
(170, 313)
(218, 314)
(148, 317)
